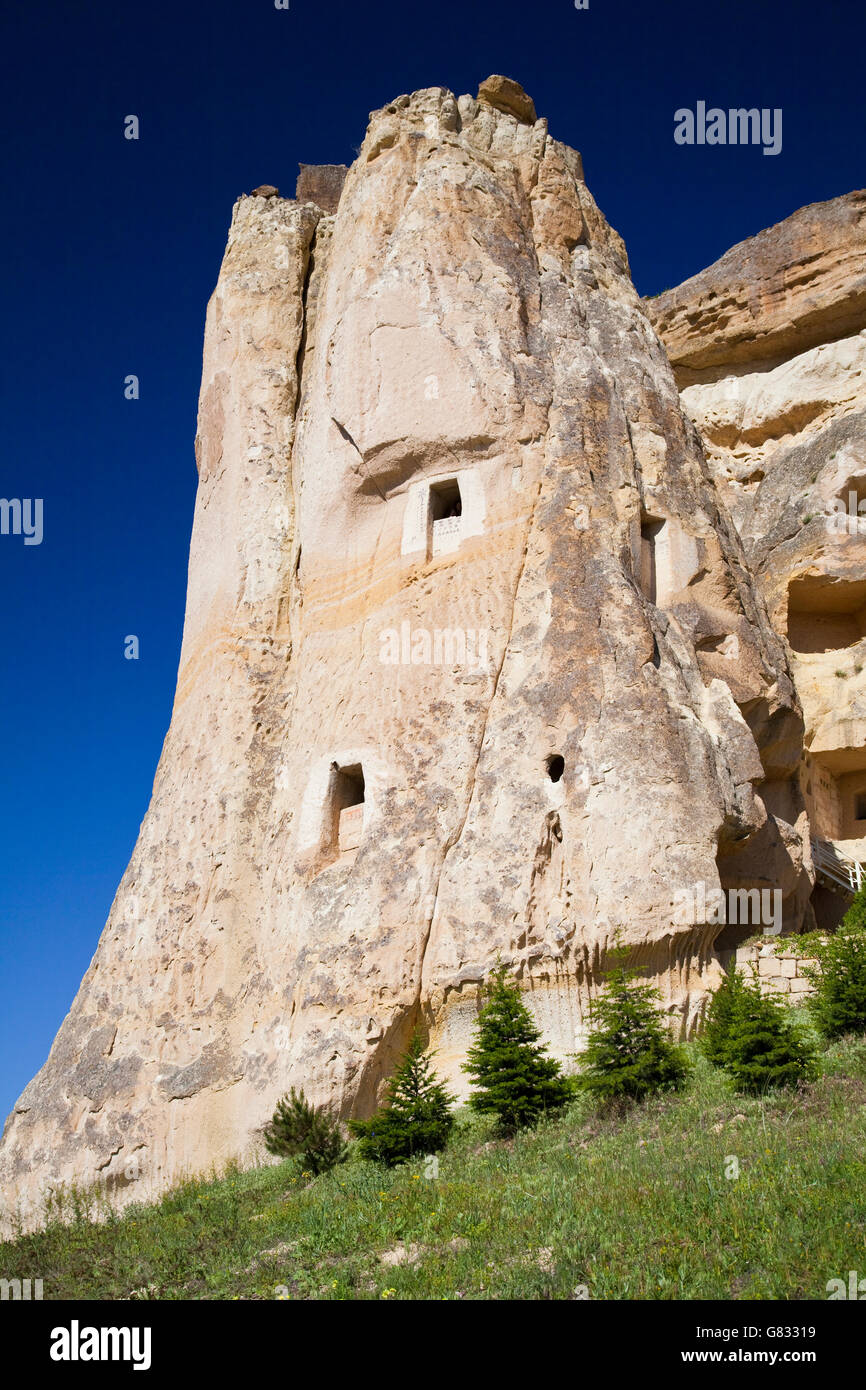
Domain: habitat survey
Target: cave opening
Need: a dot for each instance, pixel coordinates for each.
(347, 794)
(445, 500)
(555, 767)
(825, 613)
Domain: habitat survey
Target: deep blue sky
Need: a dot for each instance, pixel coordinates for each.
(111, 248)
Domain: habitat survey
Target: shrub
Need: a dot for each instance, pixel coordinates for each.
(416, 1117)
(839, 1003)
(717, 1022)
(855, 917)
(514, 1078)
(762, 1047)
(630, 1052)
(298, 1128)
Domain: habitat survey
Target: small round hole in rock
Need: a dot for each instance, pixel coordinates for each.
(555, 766)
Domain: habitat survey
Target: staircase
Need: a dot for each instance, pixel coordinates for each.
(835, 870)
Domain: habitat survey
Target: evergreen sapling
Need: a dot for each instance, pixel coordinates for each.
(763, 1048)
(630, 1053)
(309, 1131)
(416, 1117)
(838, 1005)
(514, 1078)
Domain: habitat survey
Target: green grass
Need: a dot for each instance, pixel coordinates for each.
(631, 1205)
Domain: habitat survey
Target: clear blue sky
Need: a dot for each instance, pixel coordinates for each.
(111, 248)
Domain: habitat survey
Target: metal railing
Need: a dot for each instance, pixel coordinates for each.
(845, 873)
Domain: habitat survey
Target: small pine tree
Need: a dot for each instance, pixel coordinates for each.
(298, 1128)
(763, 1048)
(839, 1003)
(514, 1078)
(416, 1117)
(630, 1052)
(717, 1023)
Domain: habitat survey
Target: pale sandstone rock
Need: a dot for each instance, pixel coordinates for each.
(442, 410)
(507, 95)
(790, 288)
(746, 419)
(769, 347)
(768, 344)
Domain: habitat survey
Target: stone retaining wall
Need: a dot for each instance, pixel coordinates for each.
(780, 973)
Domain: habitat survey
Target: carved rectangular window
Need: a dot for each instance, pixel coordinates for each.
(347, 807)
(651, 529)
(446, 516)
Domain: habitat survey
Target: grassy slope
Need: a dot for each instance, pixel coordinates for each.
(636, 1206)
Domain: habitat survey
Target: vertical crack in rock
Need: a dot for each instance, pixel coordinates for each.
(454, 839)
(308, 267)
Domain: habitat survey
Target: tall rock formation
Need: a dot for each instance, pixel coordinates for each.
(473, 667)
(769, 349)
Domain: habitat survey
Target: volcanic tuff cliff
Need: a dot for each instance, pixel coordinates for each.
(769, 348)
(438, 417)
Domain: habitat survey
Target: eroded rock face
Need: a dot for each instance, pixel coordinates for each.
(792, 287)
(507, 95)
(769, 348)
(473, 667)
(768, 344)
